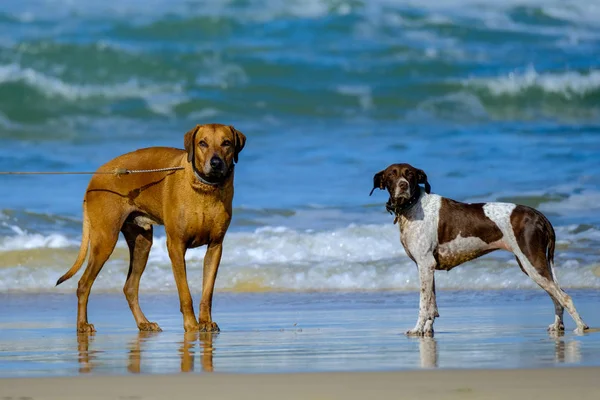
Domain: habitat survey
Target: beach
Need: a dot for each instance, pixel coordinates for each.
(294, 333)
(496, 101)
(306, 345)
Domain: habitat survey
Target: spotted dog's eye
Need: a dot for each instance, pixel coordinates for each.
(393, 172)
(202, 143)
(226, 143)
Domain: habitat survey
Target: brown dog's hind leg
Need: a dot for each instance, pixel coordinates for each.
(102, 244)
(139, 241)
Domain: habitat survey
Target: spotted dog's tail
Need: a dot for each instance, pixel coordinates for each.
(83, 248)
(549, 230)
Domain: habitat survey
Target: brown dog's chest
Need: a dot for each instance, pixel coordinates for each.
(204, 225)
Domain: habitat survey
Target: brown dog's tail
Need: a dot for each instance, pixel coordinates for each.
(83, 249)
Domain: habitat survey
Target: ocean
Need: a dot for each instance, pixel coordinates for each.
(495, 100)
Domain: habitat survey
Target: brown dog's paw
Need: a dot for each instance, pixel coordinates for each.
(190, 326)
(86, 328)
(149, 327)
(208, 327)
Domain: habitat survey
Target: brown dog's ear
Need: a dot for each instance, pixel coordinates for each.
(188, 142)
(239, 142)
(377, 182)
(422, 179)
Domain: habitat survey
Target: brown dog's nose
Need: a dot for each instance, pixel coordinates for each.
(403, 186)
(216, 162)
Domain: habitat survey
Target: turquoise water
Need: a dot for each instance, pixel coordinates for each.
(495, 100)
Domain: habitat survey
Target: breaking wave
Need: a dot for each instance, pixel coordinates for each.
(357, 257)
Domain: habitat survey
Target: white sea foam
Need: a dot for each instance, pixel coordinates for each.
(55, 87)
(361, 92)
(571, 200)
(574, 10)
(577, 203)
(358, 257)
(567, 84)
(23, 241)
(216, 72)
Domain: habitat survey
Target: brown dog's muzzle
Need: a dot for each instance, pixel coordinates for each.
(218, 168)
(214, 171)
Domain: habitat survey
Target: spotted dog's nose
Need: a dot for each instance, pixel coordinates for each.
(403, 186)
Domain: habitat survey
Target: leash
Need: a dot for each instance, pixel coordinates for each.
(116, 172)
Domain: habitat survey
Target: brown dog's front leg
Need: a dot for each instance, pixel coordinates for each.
(212, 259)
(177, 254)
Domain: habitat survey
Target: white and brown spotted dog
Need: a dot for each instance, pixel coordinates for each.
(440, 234)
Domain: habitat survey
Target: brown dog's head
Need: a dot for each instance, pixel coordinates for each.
(213, 149)
(401, 181)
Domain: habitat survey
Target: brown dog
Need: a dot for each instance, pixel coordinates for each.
(194, 205)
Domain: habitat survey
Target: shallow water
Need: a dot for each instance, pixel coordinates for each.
(294, 332)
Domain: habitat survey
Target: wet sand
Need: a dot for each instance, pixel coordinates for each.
(293, 332)
(307, 345)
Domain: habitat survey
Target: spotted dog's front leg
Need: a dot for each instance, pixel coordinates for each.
(427, 305)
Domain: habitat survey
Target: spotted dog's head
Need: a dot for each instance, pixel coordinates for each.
(401, 181)
(213, 149)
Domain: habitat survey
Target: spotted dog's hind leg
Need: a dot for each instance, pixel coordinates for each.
(559, 297)
(534, 249)
(559, 310)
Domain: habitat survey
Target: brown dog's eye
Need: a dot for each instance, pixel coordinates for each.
(226, 143)
(202, 143)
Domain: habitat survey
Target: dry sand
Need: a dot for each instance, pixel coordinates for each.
(556, 383)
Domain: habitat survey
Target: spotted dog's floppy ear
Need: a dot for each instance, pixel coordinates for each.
(422, 179)
(377, 182)
(188, 142)
(239, 142)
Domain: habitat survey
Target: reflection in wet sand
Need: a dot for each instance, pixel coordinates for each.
(567, 351)
(186, 351)
(92, 356)
(429, 352)
(135, 351)
(206, 341)
(88, 358)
